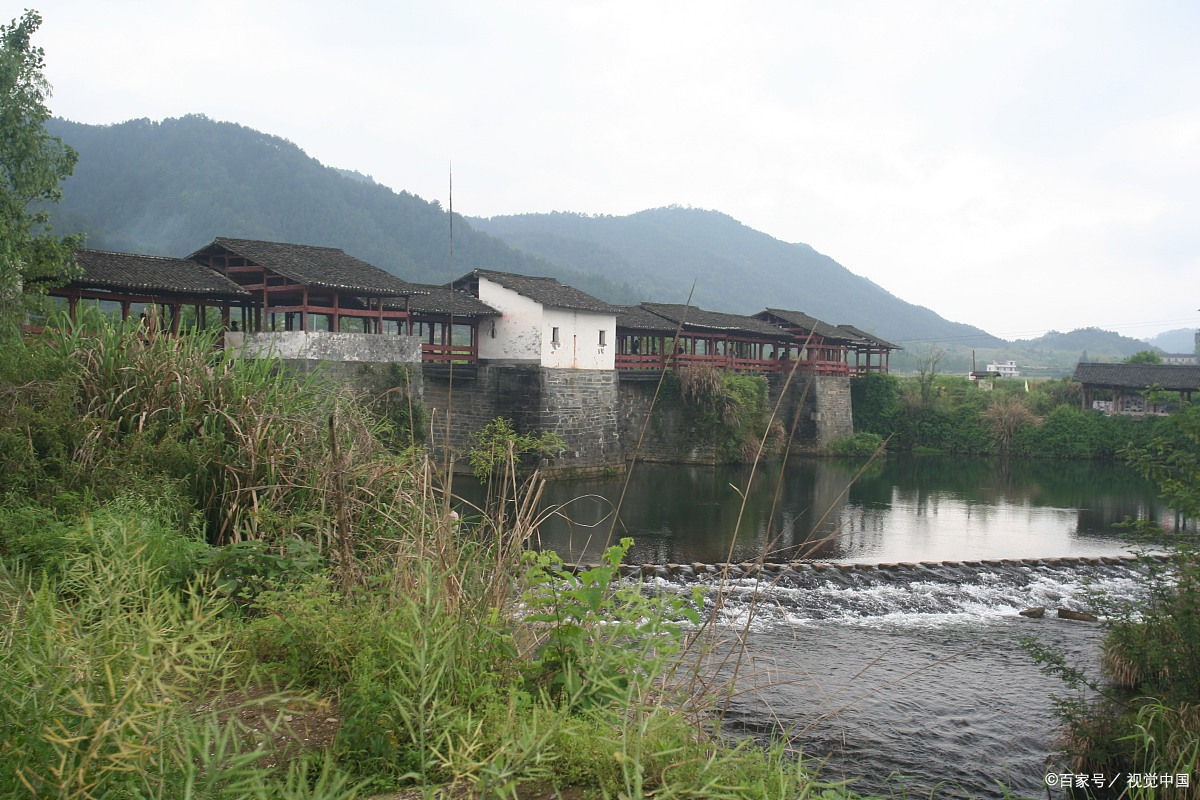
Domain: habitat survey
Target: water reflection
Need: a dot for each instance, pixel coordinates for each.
(902, 509)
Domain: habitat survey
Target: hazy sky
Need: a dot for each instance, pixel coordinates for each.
(1015, 165)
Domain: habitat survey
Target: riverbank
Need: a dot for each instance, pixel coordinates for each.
(222, 581)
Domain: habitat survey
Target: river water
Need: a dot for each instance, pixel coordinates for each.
(909, 677)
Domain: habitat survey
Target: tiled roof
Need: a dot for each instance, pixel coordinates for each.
(445, 300)
(137, 273)
(694, 318)
(326, 267)
(547, 291)
(639, 319)
(1174, 377)
(799, 319)
(870, 337)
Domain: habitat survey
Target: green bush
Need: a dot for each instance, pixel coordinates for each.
(860, 445)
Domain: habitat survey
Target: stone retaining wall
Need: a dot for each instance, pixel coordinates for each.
(766, 570)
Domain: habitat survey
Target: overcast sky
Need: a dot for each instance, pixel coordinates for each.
(1020, 166)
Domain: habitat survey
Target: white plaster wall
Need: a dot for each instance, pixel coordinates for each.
(578, 339)
(517, 335)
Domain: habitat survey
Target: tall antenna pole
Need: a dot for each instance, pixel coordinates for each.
(449, 479)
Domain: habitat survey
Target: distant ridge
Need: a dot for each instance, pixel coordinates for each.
(660, 252)
(167, 188)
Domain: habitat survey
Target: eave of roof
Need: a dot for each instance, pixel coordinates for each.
(443, 300)
(697, 318)
(636, 318)
(1172, 377)
(131, 272)
(547, 291)
(325, 267)
(801, 320)
(870, 337)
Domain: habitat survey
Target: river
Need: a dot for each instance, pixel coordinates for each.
(907, 677)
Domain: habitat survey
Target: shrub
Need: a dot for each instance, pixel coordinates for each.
(860, 445)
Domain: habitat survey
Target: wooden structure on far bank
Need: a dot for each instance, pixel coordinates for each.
(1130, 389)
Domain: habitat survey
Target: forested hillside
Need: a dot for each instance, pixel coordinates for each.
(660, 252)
(170, 187)
(1092, 344)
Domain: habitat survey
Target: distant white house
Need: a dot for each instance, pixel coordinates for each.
(1179, 358)
(542, 322)
(1006, 369)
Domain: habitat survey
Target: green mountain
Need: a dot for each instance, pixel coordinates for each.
(1179, 340)
(171, 187)
(1097, 344)
(661, 252)
(168, 188)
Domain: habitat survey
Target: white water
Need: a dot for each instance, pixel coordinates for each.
(916, 680)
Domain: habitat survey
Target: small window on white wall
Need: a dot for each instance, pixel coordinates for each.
(602, 342)
(554, 336)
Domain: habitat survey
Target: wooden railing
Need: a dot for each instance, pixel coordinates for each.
(637, 361)
(449, 353)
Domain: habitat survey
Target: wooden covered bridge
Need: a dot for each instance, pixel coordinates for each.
(257, 286)
(652, 336)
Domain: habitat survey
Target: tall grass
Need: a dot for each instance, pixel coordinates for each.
(142, 464)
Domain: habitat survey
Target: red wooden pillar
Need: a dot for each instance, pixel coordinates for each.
(266, 301)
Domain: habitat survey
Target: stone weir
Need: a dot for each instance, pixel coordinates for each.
(792, 572)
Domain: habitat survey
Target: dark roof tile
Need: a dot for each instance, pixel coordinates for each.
(445, 300)
(326, 267)
(799, 319)
(697, 318)
(640, 319)
(130, 272)
(869, 337)
(547, 291)
(1174, 377)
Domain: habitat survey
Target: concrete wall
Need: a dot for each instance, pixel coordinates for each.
(326, 346)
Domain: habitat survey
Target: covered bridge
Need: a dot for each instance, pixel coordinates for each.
(1132, 388)
(127, 279)
(646, 333)
(308, 287)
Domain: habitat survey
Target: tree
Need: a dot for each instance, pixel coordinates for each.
(32, 165)
(928, 365)
(1143, 357)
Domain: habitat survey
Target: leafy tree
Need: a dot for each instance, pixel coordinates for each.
(32, 164)
(1172, 460)
(928, 366)
(1143, 357)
